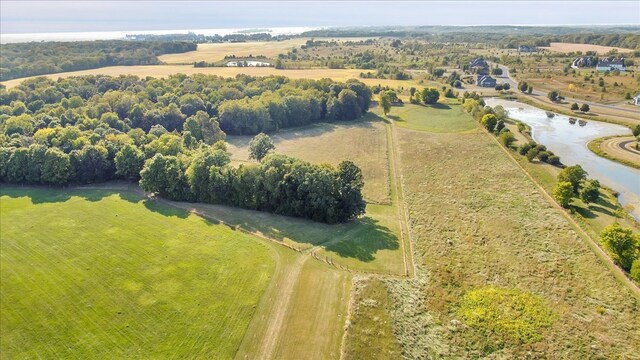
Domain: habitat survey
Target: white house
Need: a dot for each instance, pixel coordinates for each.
(247, 63)
(636, 99)
(610, 64)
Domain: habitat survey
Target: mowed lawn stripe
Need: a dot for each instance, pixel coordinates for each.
(95, 275)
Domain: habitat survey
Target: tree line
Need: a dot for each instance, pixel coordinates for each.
(93, 129)
(38, 58)
(278, 184)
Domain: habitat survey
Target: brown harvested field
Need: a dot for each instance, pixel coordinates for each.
(571, 47)
(217, 52)
(478, 221)
(363, 142)
(162, 71)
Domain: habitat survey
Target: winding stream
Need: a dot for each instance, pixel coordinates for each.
(570, 143)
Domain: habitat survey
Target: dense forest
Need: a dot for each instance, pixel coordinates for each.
(169, 132)
(39, 58)
(501, 36)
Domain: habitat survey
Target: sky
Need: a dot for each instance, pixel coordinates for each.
(78, 16)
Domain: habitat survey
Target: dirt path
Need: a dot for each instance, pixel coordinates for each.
(398, 191)
(279, 300)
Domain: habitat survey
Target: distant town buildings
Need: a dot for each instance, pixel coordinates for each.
(610, 64)
(485, 81)
(479, 66)
(584, 61)
(526, 48)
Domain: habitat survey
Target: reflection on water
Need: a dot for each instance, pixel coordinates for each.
(570, 143)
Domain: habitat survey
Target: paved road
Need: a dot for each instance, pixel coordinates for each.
(514, 85)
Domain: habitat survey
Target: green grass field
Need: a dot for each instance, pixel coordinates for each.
(440, 118)
(97, 274)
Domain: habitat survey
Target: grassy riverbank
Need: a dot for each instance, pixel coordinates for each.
(596, 147)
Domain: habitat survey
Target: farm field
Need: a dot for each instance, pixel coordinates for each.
(217, 52)
(99, 273)
(163, 71)
(478, 225)
(570, 47)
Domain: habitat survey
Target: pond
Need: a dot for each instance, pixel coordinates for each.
(569, 141)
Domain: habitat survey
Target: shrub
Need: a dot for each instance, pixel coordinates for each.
(554, 160)
(506, 138)
(621, 244)
(526, 147)
(563, 193)
(590, 191)
(489, 121)
(532, 153)
(544, 156)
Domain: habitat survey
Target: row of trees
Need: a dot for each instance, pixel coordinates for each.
(622, 244)
(278, 184)
(37, 58)
(39, 164)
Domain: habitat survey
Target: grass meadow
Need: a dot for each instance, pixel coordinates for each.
(478, 222)
(370, 331)
(364, 142)
(100, 274)
(371, 243)
(440, 118)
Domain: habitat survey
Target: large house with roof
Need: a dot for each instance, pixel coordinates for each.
(636, 99)
(610, 64)
(479, 66)
(485, 81)
(584, 61)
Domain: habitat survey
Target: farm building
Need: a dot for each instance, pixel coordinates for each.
(247, 63)
(526, 48)
(485, 81)
(479, 66)
(636, 99)
(584, 61)
(610, 64)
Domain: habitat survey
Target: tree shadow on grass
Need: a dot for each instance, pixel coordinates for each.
(164, 209)
(602, 206)
(48, 194)
(37, 195)
(441, 106)
(365, 242)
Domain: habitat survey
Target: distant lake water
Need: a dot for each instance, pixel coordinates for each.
(570, 143)
(117, 35)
